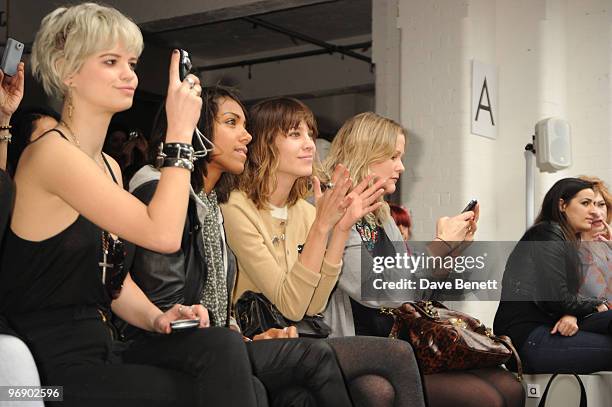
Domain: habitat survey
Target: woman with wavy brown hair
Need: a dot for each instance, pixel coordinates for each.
(291, 251)
(288, 249)
(595, 250)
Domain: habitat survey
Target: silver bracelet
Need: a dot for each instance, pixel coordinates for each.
(177, 163)
(172, 154)
(6, 137)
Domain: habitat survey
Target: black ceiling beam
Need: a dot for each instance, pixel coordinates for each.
(329, 47)
(180, 23)
(276, 58)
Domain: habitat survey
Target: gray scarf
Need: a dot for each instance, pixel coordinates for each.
(214, 295)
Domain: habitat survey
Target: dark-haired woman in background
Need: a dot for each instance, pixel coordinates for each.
(27, 125)
(549, 322)
(134, 155)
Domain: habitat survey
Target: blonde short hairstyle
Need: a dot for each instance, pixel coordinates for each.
(69, 35)
(363, 140)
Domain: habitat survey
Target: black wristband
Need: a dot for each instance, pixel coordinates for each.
(177, 163)
(175, 155)
(177, 150)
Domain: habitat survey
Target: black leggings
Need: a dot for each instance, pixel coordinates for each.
(203, 367)
(299, 372)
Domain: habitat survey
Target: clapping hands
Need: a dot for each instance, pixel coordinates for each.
(339, 208)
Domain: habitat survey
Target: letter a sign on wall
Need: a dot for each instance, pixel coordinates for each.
(485, 114)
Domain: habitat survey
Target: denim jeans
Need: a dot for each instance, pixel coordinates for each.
(585, 352)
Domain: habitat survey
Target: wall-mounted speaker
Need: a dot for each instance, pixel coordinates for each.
(553, 144)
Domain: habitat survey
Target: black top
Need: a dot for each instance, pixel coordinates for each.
(540, 284)
(58, 272)
(177, 278)
(370, 321)
(7, 194)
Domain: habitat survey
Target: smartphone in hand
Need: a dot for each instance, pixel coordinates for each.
(11, 57)
(184, 324)
(185, 64)
(470, 206)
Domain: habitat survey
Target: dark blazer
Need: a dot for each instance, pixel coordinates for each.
(544, 267)
(540, 284)
(177, 278)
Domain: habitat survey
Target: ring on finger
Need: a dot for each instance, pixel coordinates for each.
(190, 81)
(180, 308)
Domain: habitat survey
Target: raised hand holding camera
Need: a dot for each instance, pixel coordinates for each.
(11, 79)
(11, 57)
(183, 103)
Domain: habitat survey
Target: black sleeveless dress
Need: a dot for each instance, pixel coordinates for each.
(7, 194)
(52, 294)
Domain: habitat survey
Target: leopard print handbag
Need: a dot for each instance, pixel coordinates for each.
(446, 340)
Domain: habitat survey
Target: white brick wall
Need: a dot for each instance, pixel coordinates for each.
(554, 57)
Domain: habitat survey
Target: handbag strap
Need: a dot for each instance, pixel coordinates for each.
(504, 340)
(583, 396)
(409, 310)
(400, 314)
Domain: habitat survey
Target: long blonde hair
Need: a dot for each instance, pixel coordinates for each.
(363, 140)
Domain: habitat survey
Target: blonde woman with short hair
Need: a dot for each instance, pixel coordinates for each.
(62, 270)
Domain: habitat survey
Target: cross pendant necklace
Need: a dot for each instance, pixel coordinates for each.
(104, 263)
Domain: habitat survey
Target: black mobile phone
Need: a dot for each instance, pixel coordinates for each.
(185, 65)
(184, 324)
(470, 206)
(11, 57)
